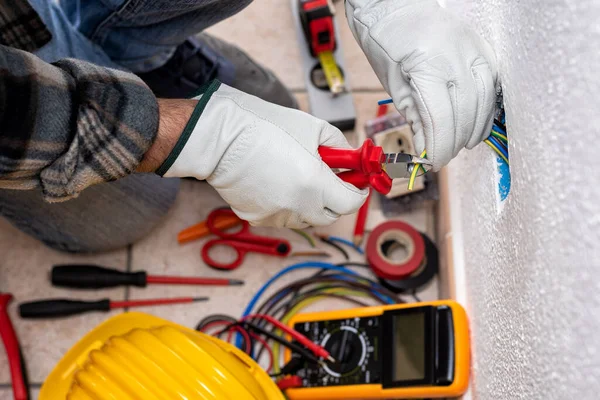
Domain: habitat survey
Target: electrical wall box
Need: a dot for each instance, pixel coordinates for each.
(399, 139)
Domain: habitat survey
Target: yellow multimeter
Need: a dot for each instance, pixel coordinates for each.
(418, 350)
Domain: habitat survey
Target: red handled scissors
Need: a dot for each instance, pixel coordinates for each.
(244, 242)
(370, 166)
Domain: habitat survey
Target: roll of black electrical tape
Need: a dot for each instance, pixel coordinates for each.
(423, 275)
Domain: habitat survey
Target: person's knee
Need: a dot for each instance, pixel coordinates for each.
(77, 247)
(104, 218)
(236, 5)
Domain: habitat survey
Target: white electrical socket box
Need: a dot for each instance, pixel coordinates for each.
(399, 139)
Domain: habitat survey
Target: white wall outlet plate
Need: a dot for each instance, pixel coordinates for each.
(399, 140)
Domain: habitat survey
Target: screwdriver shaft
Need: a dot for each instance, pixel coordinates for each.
(54, 308)
(184, 280)
(154, 302)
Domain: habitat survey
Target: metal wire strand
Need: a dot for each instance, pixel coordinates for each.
(287, 297)
(337, 246)
(306, 236)
(213, 318)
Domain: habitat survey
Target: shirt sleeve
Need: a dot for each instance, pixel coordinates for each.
(21, 27)
(69, 125)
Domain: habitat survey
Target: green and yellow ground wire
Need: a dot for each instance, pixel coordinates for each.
(489, 143)
(500, 148)
(501, 140)
(306, 236)
(415, 171)
(499, 136)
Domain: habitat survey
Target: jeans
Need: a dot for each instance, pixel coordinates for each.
(136, 35)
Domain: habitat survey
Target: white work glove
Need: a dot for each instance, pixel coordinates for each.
(262, 159)
(440, 73)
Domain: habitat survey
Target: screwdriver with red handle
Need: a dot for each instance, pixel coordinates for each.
(84, 276)
(56, 308)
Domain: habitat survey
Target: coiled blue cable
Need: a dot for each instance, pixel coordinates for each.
(304, 265)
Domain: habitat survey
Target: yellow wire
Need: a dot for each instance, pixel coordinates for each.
(306, 236)
(496, 150)
(303, 304)
(276, 346)
(499, 135)
(413, 175)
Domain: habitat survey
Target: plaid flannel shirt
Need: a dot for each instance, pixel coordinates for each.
(67, 125)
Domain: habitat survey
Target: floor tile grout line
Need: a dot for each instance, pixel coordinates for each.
(128, 269)
(353, 91)
(33, 385)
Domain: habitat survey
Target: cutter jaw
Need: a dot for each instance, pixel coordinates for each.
(401, 165)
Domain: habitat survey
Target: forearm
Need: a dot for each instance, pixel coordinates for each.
(71, 124)
(173, 117)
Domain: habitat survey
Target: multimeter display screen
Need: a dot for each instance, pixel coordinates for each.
(409, 347)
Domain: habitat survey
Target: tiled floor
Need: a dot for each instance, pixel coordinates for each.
(265, 30)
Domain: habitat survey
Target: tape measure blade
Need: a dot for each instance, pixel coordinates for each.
(332, 72)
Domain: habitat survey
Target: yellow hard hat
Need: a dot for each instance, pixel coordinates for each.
(135, 356)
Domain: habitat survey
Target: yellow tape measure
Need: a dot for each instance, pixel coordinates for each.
(332, 72)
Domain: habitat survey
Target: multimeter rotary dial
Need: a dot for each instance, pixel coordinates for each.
(353, 343)
(349, 347)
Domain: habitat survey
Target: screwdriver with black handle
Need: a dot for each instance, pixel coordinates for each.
(56, 308)
(85, 276)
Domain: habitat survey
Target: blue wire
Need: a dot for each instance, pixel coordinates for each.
(284, 293)
(265, 286)
(304, 265)
(499, 146)
(498, 129)
(376, 287)
(346, 242)
(386, 101)
(499, 142)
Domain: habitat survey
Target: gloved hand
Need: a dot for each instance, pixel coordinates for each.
(440, 73)
(262, 159)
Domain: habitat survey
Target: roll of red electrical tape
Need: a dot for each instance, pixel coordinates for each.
(405, 235)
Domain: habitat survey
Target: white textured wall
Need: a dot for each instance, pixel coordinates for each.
(533, 267)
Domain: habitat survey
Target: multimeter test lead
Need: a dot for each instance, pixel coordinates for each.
(316, 349)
